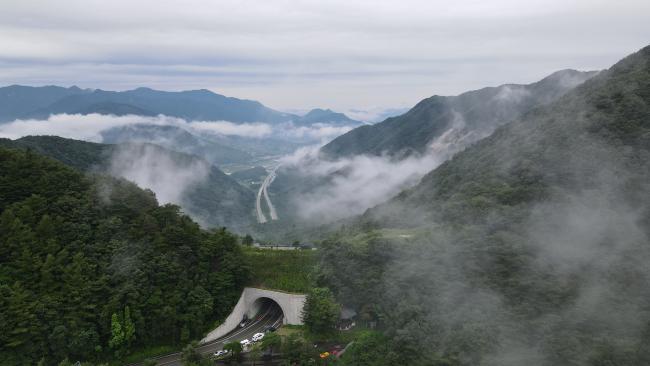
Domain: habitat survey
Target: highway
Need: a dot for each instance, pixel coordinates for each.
(263, 191)
(269, 315)
(270, 179)
(258, 205)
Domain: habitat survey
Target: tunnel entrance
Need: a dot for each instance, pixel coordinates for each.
(263, 307)
(267, 310)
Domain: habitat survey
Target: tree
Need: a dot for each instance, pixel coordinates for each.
(234, 350)
(270, 341)
(296, 351)
(247, 240)
(321, 312)
(117, 334)
(190, 356)
(255, 354)
(129, 327)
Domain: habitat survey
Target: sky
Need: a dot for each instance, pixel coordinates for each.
(364, 55)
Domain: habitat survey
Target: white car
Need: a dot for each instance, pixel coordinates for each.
(245, 343)
(220, 353)
(258, 337)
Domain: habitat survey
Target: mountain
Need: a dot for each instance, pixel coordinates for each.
(22, 102)
(82, 255)
(190, 105)
(202, 190)
(528, 247)
(17, 101)
(178, 139)
(439, 122)
(325, 116)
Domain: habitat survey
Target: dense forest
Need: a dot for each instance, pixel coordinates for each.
(92, 268)
(530, 247)
(204, 192)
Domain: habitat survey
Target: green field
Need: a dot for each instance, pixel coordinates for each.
(284, 270)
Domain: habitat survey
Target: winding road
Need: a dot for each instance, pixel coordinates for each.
(261, 218)
(271, 315)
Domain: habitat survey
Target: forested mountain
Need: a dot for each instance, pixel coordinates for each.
(449, 124)
(201, 189)
(91, 267)
(529, 247)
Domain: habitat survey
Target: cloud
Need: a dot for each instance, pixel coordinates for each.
(375, 114)
(151, 167)
(89, 127)
(349, 186)
(234, 129)
(298, 54)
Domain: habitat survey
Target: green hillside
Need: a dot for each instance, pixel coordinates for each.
(530, 247)
(93, 268)
(470, 116)
(216, 201)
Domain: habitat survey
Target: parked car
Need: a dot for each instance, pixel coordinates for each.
(245, 343)
(258, 337)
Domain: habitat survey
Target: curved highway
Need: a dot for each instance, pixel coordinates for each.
(270, 179)
(263, 191)
(270, 315)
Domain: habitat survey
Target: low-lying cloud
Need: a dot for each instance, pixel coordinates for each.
(348, 186)
(151, 167)
(90, 127)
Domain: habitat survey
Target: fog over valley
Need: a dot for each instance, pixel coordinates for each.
(369, 183)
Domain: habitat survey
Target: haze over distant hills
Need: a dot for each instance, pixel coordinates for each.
(457, 120)
(25, 102)
(393, 155)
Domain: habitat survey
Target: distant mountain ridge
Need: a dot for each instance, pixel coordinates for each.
(318, 115)
(456, 120)
(24, 102)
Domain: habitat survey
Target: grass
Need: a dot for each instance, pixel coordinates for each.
(284, 270)
(287, 330)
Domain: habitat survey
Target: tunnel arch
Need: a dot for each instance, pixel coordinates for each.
(291, 305)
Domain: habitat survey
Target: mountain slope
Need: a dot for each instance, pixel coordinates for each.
(529, 247)
(455, 121)
(201, 189)
(16, 101)
(178, 139)
(81, 255)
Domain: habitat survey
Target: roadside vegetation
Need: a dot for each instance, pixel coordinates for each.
(284, 270)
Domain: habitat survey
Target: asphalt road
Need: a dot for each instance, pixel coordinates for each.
(263, 191)
(270, 179)
(271, 314)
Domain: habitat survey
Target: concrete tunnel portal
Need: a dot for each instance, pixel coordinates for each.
(254, 302)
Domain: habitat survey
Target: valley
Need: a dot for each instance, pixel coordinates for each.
(425, 184)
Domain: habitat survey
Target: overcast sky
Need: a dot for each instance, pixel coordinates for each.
(340, 54)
